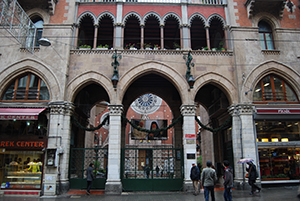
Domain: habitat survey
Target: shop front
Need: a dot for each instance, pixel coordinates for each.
(278, 140)
(23, 141)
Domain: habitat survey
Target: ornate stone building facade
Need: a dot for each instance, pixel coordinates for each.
(211, 59)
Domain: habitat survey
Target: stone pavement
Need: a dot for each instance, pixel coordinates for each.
(267, 194)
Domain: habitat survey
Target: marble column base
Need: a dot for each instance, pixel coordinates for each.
(188, 187)
(113, 187)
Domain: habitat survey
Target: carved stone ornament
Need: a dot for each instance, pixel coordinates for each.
(187, 110)
(64, 108)
(115, 110)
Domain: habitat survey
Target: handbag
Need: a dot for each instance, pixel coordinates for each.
(247, 175)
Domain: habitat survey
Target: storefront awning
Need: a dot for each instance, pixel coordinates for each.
(20, 113)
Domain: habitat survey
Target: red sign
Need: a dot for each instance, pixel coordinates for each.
(190, 136)
(18, 117)
(278, 111)
(23, 144)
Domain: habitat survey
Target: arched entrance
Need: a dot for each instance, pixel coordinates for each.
(212, 111)
(151, 161)
(85, 148)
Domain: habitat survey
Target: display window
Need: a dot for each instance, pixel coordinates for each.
(279, 163)
(21, 169)
(277, 131)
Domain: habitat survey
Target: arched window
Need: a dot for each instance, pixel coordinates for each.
(274, 89)
(38, 23)
(265, 36)
(28, 87)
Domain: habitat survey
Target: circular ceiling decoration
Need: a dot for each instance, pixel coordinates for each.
(146, 104)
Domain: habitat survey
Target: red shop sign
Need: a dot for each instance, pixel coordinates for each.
(190, 136)
(278, 111)
(23, 144)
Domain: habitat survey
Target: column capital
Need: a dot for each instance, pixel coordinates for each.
(119, 25)
(96, 25)
(115, 110)
(188, 110)
(240, 109)
(64, 108)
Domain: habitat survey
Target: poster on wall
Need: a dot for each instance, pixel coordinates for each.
(150, 125)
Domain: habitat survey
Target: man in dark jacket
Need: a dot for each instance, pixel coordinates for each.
(195, 176)
(89, 177)
(228, 181)
(252, 175)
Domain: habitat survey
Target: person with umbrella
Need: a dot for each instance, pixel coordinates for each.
(252, 175)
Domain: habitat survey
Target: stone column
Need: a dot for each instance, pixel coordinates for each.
(207, 36)
(118, 26)
(243, 140)
(162, 36)
(189, 143)
(113, 183)
(226, 36)
(95, 35)
(59, 138)
(185, 37)
(76, 35)
(142, 36)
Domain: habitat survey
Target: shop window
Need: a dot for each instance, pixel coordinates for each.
(279, 163)
(274, 89)
(265, 36)
(21, 169)
(277, 131)
(28, 87)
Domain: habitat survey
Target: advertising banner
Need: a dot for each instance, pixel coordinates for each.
(150, 125)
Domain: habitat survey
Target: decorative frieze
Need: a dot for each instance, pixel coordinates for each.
(61, 108)
(241, 109)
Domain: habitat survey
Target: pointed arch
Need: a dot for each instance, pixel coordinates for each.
(90, 76)
(84, 14)
(133, 13)
(225, 84)
(154, 14)
(199, 16)
(31, 66)
(172, 14)
(215, 16)
(162, 69)
(106, 13)
(291, 76)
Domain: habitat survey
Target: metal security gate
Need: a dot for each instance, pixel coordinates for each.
(80, 158)
(152, 169)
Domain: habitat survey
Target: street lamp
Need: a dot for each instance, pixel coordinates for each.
(44, 42)
(115, 64)
(189, 78)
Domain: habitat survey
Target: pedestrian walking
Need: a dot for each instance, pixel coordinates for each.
(147, 171)
(252, 175)
(228, 181)
(208, 180)
(89, 177)
(200, 170)
(157, 171)
(195, 177)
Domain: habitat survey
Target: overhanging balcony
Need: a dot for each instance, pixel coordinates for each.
(275, 7)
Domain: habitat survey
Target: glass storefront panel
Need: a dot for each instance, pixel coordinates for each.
(279, 163)
(21, 169)
(277, 131)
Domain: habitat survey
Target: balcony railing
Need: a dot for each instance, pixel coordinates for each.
(209, 2)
